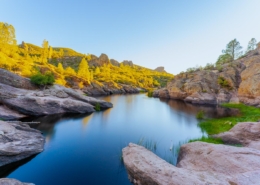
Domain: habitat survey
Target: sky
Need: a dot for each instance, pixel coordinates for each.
(176, 34)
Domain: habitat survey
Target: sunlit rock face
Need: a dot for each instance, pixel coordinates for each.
(160, 69)
(234, 82)
(18, 141)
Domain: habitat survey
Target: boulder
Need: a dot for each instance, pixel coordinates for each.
(14, 80)
(162, 93)
(6, 181)
(198, 163)
(97, 62)
(246, 134)
(18, 141)
(160, 69)
(128, 63)
(8, 114)
(115, 63)
(145, 168)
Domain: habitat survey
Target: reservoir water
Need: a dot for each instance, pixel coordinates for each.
(86, 149)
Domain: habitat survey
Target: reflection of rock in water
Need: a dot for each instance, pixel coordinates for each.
(9, 168)
(47, 123)
(210, 111)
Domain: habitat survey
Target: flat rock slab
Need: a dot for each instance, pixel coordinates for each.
(145, 168)
(18, 141)
(199, 163)
(8, 114)
(246, 134)
(6, 181)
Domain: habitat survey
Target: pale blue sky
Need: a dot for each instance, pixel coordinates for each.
(176, 34)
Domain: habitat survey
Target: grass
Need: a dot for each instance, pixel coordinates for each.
(218, 125)
(207, 140)
(148, 144)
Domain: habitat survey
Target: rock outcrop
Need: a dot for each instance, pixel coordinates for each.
(108, 88)
(53, 100)
(128, 63)
(115, 62)
(18, 141)
(160, 69)
(246, 134)
(99, 61)
(234, 82)
(6, 181)
(198, 163)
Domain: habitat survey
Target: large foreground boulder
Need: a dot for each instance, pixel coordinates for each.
(246, 134)
(6, 181)
(18, 141)
(201, 163)
(198, 163)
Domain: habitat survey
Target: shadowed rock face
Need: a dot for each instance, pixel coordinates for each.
(17, 102)
(241, 83)
(201, 163)
(115, 63)
(99, 61)
(128, 63)
(18, 141)
(6, 181)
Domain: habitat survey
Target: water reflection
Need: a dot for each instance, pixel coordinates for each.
(86, 149)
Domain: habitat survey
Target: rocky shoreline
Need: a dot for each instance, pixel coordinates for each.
(234, 82)
(201, 163)
(19, 98)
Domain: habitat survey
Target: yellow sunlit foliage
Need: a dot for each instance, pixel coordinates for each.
(24, 58)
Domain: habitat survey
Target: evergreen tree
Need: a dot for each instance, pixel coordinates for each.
(69, 71)
(45, 46)
(50, 52)
(251, 45)
(233, 49)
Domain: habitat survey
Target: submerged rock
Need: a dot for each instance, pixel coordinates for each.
(6, 181)
(18, 141)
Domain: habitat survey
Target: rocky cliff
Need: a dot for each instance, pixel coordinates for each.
(235, 82)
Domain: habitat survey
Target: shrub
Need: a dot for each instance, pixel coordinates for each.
(97, 107)
(200, 114)
(150, 94)
(43, 79)
(223, 82)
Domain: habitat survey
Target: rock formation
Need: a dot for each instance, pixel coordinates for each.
(234, 82)
(99, 61)
(128, 63)
(5, 181)
(160, 69)
(18, 141)
(53, 100)
(115, 63)
(201, 163)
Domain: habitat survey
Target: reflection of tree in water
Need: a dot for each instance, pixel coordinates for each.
(47, 123)
(210, 111)
(86, 120)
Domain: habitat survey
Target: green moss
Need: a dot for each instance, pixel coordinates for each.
(150, 94)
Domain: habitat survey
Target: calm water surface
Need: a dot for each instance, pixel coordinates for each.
(86, 149)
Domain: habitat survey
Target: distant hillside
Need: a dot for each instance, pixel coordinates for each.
(94, 75)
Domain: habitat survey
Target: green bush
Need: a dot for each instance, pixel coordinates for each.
(43, 79)
(223, 82)
(200, 114)
(97, 107)
(150, 94)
